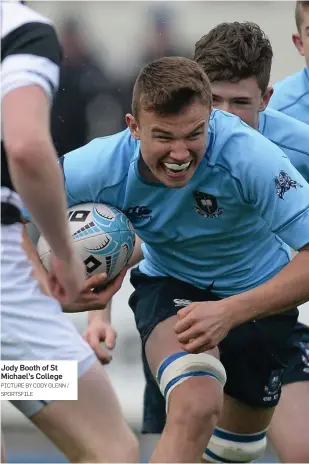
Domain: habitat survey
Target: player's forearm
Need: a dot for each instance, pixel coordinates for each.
(31, 173)
(288, 289)
(39, 271)
(101, 314)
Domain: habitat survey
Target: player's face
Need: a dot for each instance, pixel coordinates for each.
(171, 146)
(301, 40)
(243, 98)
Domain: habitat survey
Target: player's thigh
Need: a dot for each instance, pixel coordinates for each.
(93, 422)
(155, 303)
(238, 417)
(255, 355)
(289, 426)
(163, 343)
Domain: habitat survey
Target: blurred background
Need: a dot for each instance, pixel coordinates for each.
(105, 44)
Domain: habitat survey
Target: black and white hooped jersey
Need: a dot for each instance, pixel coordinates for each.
(30, 55)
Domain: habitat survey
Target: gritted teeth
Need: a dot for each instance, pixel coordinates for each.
(177, 167)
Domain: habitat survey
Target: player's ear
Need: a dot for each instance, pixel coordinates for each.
(266, 97)
(298, 43)
(133, 126)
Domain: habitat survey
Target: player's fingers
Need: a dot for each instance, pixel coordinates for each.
(195, 331)
(103, 355)
(104, 296)
(198, 345)
(183, 324)
(57, 290)
(117, 282)
(94, 342)
(110, 338)
(187, 335)
(94, 281)
(183, 312)
(86, 336)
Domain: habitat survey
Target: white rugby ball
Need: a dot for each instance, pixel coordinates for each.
(103, 237)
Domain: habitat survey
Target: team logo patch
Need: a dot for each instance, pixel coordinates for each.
(284, 183)
(272, 389)
(305, 356)
(206, 205)
(137, 213)
(181, 303)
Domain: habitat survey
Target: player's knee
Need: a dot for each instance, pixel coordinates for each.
(191, 369)
(226, 446)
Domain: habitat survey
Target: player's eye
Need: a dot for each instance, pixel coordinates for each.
(163, 138)
(195, 135)
(241, 102)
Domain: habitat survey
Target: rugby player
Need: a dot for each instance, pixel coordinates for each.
(291, 95)
(216, 292)
(33, 326)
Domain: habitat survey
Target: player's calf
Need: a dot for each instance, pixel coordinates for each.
(91, 429)
(3, 455)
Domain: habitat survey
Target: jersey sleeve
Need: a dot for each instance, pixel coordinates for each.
(31, 55)
(277, 191)
(98, 171)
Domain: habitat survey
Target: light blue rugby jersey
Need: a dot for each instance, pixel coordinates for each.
(291, 135)
(217, 227)
(291, 96)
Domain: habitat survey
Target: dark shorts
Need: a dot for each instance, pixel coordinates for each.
(255, 354)
(298, 366)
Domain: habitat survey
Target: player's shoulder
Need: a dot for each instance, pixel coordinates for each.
(120, 145)
(290, 134)
(110, 155)
(274, 119)
(15, 15)
(25, 32)
(233, 144)
(290, 89)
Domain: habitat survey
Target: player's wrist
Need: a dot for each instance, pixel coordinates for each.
(100, 316)
(238, 309)
(66, 251)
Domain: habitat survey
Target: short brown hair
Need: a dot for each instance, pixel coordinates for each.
(235, 51)
(168, 85)
(299, 9)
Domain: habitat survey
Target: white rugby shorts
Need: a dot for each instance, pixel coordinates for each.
(33, 326)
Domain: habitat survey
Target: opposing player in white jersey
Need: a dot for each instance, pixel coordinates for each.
(214, 203)
(33, 326)
(291, 95)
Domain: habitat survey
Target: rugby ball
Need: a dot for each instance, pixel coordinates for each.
(102, 235)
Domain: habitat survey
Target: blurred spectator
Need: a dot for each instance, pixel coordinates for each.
(160, 39)
(87, 104)
(163, 39)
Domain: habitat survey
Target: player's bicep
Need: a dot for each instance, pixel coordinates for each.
(25, 118)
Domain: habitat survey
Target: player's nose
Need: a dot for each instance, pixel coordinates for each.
(179, 152)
